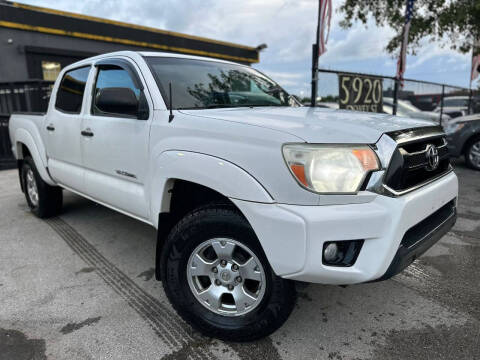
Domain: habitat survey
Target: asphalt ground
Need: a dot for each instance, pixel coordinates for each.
(82, 286)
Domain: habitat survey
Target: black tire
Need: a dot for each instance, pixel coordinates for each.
(468, 149)
(50, 198)
(212, 222)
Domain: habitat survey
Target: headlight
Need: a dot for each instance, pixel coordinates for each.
(330, 168)
(453, 128)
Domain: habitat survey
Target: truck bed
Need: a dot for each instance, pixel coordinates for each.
(30, 122)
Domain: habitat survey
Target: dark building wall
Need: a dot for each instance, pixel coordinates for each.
(25, 45)
(30, 35)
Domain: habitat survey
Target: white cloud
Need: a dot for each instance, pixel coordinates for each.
(285, 78)
(287, 26)
(359, 44)
(429, 51)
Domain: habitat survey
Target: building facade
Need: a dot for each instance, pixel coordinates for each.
(36, 43)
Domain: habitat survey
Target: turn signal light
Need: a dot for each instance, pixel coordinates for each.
(367, 158)
(299, 172)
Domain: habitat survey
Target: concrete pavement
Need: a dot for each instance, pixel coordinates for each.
(81, 286)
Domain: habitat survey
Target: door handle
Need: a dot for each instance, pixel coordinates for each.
(87, 132)
(50, 127)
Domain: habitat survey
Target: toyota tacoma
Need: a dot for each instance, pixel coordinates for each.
(249, 191)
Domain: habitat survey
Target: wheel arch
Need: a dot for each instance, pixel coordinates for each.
(184, 181)
(180, 198)
(25, 145)
(214, 173)
(467, 143)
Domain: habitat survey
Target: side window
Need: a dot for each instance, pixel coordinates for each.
(115, 93)
(71, 90)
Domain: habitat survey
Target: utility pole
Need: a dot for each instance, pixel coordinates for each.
(313, 101)
(395, 97)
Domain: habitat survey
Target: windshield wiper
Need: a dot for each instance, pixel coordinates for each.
(274, 89)
(217, 106)
(213, 106)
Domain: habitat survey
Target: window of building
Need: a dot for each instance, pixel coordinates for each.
(50, 70)
(71, 90)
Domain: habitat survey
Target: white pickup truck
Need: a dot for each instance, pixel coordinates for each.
(248, 190)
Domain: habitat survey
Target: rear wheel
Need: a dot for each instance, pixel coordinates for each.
(43, 200)
(218, 279)
(472, 154)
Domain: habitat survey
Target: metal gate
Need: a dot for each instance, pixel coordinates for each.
(6, 157)
(28, 96)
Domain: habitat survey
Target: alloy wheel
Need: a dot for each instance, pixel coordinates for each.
(474, 154)
(226, 277)
(32, 189)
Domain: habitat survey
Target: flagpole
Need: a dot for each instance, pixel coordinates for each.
(470, 86)
(315, 56)
(400, 65)
(397, 77)
(402, 59)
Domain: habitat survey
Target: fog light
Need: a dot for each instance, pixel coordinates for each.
(341, 253)
(331, 252)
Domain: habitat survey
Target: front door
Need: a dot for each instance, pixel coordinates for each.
(62, 128)
(115, 141)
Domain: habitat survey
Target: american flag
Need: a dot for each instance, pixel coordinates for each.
(402, 60)
(324, 17)
(475, 61)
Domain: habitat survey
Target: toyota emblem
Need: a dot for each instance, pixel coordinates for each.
(432, 157)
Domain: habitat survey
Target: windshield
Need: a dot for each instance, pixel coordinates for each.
(202, 84)
(455, 102)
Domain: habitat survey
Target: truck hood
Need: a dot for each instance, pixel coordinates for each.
(316, 125)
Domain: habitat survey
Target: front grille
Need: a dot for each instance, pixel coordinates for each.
(410, 165)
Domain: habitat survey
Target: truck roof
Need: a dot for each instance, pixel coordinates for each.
(138, 54)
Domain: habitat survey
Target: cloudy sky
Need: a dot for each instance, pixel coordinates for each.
(288, 28)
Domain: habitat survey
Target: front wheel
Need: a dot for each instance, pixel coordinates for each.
(472, 154)
(218, 278)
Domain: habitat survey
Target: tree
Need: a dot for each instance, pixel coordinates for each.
(454, 23)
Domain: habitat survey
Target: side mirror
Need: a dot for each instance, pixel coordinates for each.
(117, 100)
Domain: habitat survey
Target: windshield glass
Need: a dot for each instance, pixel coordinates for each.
(455, 102)
(201, 84)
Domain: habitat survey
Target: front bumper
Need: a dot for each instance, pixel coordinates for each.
(421, 237)
(292, 236)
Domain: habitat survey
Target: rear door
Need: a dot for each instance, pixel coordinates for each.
(115, 142)
(62, 128)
